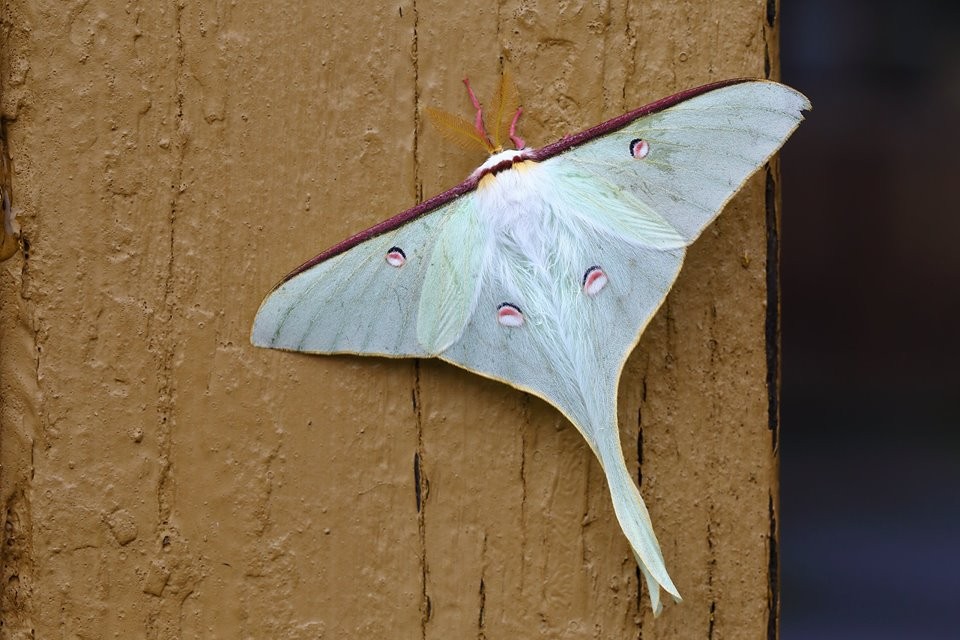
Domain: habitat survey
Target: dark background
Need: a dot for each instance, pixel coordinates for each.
(870, 439)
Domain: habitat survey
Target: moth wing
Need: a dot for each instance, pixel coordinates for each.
(452, 281)
(698, 152)
(356, 301)
(572, 346)
(629, 212)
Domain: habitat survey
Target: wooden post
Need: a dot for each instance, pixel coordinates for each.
(161, 478)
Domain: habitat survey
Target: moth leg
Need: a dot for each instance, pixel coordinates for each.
(478, 121)
(518, 142)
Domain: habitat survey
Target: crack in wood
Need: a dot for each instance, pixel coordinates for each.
(421, 490)
(772, 323)
(773, 577)
(711, 570)
(481, 616)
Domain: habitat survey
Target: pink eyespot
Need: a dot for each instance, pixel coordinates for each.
(639, 148)
(396, 257)
(509, 315)
(594, 280)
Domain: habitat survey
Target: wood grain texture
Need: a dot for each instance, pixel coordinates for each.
(162, 478)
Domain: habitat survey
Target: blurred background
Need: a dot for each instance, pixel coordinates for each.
(870, 432)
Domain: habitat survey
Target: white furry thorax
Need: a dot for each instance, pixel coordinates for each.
(511, 201)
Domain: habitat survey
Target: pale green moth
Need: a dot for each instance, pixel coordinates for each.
(542, 269)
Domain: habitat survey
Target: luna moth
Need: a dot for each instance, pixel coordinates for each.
(544, 266)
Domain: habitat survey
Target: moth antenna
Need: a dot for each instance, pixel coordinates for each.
(457, 130)
(478, 121)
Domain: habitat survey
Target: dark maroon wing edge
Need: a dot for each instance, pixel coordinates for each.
(568, 142)
(564, 144)
(387, 225)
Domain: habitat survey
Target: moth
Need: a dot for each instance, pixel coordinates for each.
(542, 268)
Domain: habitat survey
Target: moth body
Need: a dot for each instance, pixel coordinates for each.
(512, 205)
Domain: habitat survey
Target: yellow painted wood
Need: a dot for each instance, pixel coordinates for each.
(163, 479)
